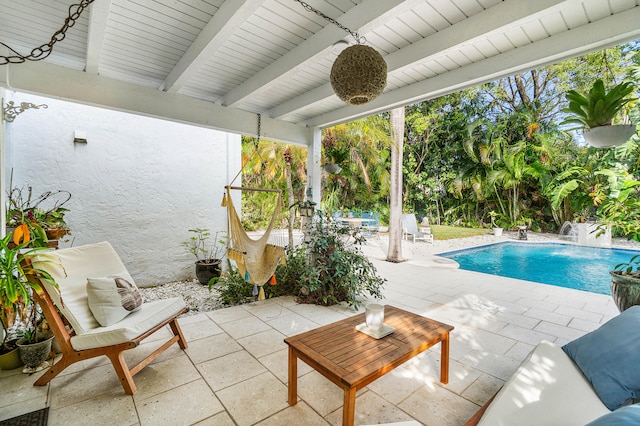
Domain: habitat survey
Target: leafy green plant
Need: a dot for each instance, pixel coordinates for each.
(329, 267)
(204, 250)
(17, 283)
(232, 287)
(31, 215)
(627, 268)
(598, 107)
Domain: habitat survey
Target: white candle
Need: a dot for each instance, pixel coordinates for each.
(374, 314)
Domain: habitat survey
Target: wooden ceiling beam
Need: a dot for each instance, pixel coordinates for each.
(604, 33)
(231, 15)
(481, 25)
(362, 17)
(98, 17)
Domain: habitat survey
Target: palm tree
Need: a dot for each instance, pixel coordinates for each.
(273, 165)
(359, 147)
(395, 211)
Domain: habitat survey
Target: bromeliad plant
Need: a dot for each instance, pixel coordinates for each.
(598, 107)
(17, 284)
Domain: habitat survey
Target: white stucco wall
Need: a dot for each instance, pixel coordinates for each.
(139, 183)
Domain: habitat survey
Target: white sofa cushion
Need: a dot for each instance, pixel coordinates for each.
(547, 389)
(139, 321)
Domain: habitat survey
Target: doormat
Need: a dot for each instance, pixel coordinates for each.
(34, 418)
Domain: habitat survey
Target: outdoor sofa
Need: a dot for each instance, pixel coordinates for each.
(593, 380)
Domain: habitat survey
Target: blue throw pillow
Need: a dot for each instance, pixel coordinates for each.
(624, 416)
(609, 357)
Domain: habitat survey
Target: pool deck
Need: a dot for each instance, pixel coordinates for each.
(235, 369)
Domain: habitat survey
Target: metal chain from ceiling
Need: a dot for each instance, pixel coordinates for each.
(359, 39)
(41, 52)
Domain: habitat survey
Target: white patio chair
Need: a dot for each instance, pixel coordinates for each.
(86, 276)
(410, 228)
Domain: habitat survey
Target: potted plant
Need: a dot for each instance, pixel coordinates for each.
(208, 254)
(496, 223)
(53, 222)
(334, 155)
(596, 111)
(9, 355)
(16, 288)
(306, 208)
(34, 345)
(31, 222)
(621, 212)
(625, 283)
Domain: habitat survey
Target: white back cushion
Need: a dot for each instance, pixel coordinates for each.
(79, 263)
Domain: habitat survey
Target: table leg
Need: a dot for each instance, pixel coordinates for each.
(293, 377)
(349, 407)
(444, 360)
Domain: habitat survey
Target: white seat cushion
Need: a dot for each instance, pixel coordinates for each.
(547, 389)
(139, 321)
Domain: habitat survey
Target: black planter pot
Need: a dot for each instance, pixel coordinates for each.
(625, 290)
(205, 270)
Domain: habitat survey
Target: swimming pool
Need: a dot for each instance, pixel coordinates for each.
(564, 265)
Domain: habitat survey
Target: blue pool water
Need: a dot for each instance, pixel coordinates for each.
(564, 265)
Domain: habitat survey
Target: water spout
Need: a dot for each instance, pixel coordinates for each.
(568, 232)
(585, 234)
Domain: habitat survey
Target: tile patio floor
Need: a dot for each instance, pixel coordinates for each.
(235, 369)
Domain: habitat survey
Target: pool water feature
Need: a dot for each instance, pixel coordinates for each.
(564, 265)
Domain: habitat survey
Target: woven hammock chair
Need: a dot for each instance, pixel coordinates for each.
(257, 260)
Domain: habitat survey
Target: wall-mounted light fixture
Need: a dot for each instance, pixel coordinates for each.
(79, 136)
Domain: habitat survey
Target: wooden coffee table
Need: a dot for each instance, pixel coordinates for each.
(352, 359)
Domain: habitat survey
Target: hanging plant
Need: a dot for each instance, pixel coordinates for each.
(596, 111)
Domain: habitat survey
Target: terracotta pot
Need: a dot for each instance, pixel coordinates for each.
(625, 290)
(56, 234)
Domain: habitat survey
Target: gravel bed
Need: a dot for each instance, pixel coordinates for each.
(198, 297)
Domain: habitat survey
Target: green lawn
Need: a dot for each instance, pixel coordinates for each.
(443, 232)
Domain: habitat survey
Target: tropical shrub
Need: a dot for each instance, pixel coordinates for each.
(231, 287)
(329, 267)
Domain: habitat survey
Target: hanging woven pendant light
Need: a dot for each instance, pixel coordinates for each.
(359, 74)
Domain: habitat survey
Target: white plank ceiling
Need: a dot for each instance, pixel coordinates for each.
(218, 63)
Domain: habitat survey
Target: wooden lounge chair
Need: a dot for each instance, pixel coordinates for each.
(410, 228)
(84, 337)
